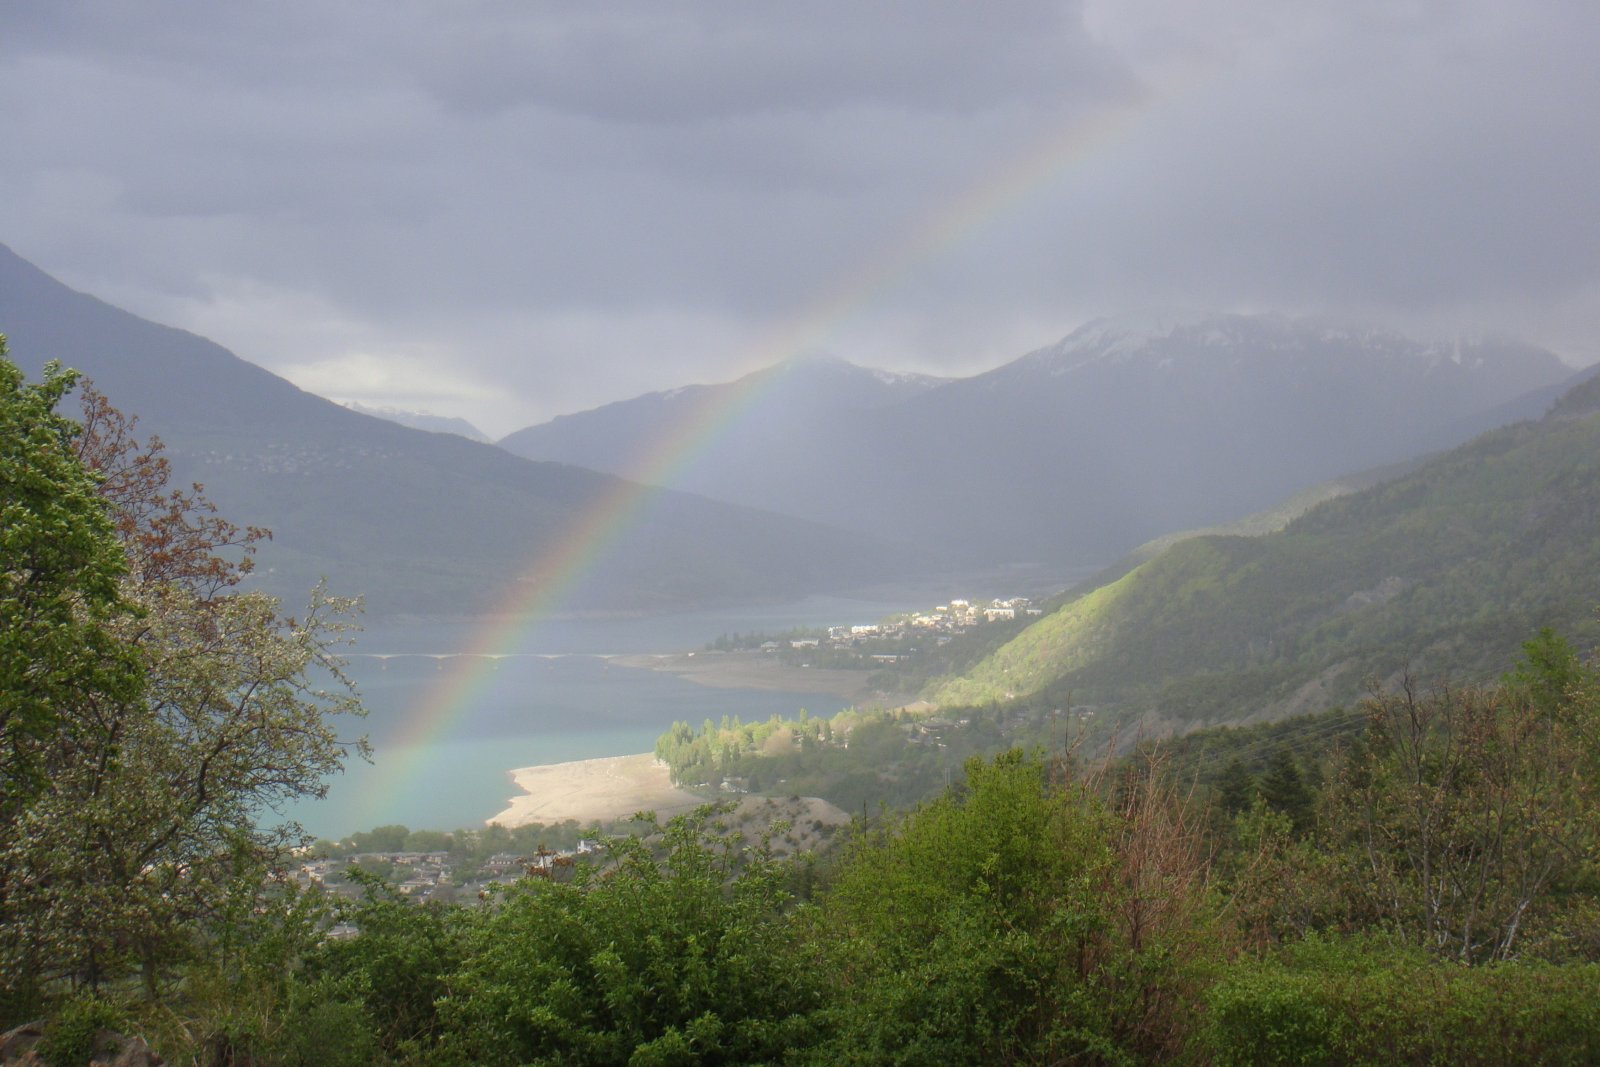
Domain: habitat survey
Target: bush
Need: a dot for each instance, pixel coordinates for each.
(390, 976)
(1018, 918)
(74, 1032)
(1348, 1002)
(678, 952)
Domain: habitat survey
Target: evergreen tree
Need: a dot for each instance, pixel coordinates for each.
(1236, 787)
(1285, 791)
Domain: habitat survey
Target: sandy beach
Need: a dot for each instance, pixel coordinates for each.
(594, 791)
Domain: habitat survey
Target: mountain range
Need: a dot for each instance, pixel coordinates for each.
(1125, 430)
(811, 475)
(418, 522)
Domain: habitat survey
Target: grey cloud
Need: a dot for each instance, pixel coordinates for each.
(644, 62)
(583, 201)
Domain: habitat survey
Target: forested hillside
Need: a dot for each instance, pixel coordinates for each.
(1440, 572)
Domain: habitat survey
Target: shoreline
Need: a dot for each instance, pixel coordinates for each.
(755, 670)
(593, 791)
(613, 788)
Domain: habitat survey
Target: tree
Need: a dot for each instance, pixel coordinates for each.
(1284, 789)
(1465, 822)
(1235, 787)
(60, 567)
(158, 817)
(62, 664)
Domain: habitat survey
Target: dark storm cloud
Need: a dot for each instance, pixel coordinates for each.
(509, 209)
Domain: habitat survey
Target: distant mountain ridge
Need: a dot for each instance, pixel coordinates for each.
(771, 418)
(418, 522)
(1170, 336)
(422, 420)
(1125, 430)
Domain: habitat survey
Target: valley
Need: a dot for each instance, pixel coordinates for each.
(717, 535)
(1020, 476)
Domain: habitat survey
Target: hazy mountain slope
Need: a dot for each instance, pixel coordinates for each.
(417, 521)
(1128, 429)
(1074, 454)
(1444, 571)
(803, 395)
(798, 438)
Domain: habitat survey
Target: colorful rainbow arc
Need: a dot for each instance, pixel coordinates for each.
(540, 588)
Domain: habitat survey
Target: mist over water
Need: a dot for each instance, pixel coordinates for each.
(552, 696)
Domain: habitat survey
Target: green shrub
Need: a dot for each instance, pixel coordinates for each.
(1018, 918)
(679, 952)
(70, 1037)
(329, 1032)
(1349, 1002)
(391, 975)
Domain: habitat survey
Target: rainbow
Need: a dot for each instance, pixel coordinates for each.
(538, 591)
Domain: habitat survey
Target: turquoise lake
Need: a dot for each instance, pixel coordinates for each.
(552, 696)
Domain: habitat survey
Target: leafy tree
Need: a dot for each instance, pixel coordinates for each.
(1463, 822)
(429, 841)
(1235, 787)
(1550, 672)
(62, 663)
(1473, 807)
(394, 972)
(158, 815)
(390, 838)
(60, 566)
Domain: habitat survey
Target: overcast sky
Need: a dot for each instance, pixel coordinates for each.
(512, 210)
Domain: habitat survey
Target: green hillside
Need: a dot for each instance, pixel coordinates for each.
(1442, 572)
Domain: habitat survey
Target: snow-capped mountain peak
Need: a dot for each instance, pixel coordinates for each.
(420, 420)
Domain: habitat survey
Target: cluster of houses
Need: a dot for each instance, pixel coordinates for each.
(942, 623)
(958, 615)
(425, 876)
(879, 640)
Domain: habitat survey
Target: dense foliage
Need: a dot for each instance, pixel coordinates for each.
(1364, 1001)
(1017, 918)
(59, 587)
(1038, 911)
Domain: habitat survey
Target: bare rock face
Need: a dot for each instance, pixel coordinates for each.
(111, 1049)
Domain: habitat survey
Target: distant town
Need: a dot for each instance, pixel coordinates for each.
(881, 643)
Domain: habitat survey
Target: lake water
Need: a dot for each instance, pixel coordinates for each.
(447, 724)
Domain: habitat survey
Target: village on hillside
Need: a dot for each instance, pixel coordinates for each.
(871, 645)
(443, 875)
